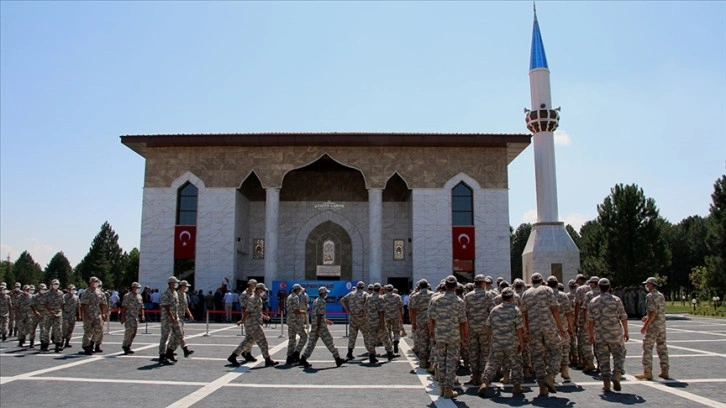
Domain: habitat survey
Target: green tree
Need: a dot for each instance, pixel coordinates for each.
(592, 262)
(573, 234)
(716, 237)
(6, 272)
(686, 242)
(699, 278)
(104, 259)
(131, 269)
(634, 246)
(26, 270)
(59, 268)
(518, 241)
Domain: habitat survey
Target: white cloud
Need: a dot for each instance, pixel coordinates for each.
(576, 220)
(562, 138)
(8, 251)
(530, 216)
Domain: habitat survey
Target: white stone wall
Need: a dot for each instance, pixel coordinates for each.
(396, 225)
(216, 239)
(491, 221)
(431, 228)
(550, 244)
(158, 217)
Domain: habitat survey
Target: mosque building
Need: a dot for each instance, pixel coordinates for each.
(377, 207)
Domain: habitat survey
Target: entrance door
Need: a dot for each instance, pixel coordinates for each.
(402, 284)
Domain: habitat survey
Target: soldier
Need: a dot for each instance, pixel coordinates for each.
(419, 309)
(182, 312)
(607, 326)
(376, 325)
(583, 296)
(13, 322)
(297, 315)
(94, 311)
(131, 305)
(448, 328)
(253, 318)
(574, 355)
(506, 329)
(23, 314)
(53, 304)
(542, 322)
(654, 330)
(583, 348)
(566, 310)
(320, 330)
(478, 303)
(6, 305)
(170, 327)
(70, 314)
(37, 313)
(354, 305)
(393, 314)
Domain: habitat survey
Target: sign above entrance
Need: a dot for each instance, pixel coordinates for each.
(329, 205)
(328, 270)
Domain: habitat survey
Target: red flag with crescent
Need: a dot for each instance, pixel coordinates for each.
(185, 241)
(463, 240)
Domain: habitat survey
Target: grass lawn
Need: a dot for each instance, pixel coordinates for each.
(703, 309)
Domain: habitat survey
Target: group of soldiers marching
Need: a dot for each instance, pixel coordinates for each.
(22, 311)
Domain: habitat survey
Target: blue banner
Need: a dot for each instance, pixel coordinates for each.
(336, 290)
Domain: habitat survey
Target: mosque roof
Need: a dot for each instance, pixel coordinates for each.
(515, 143)
(537, 58)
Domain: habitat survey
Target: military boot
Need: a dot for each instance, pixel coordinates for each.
(233, 360)
(97, 349)
(395, 347)
(304, 362)
(32, 343)
(187, 351)
(88, 350)
(170, 355)
(67, 343)
(606, 384)
(543, 390)
(127, 350)
(482, 390)
(289, 360)
(339, 361)
(296, 357)
(664, 374)
(390, 355)
(21, 341)
(372, 358)
(589, 367)
(270, 363)
(565, 372)
(44, 346)
(164, 361)
(249, 357)
(616, 381)
(58, 347)
(550, 383)
(5, 337)
(517, 389)
(647, 375)
(527, 373)
(349, 356)
(450, 393)
(505, 377)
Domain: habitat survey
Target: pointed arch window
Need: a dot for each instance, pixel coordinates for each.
(186, 204)
(462, 205)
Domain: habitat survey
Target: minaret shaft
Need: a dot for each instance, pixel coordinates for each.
(544, 149)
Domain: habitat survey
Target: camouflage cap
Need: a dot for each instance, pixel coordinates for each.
(55, 282)
(652, 281)
(371, 286)
(499, 279)
(296, 286)
(376, 286)
(451, 279)
(136, 285)
(389, 287)
(26, 287)
(480, 278)
(580, 276)
(518, 282)
(322, 290)
(507, 293)
(32, 287)
(172, 279)
(93, 279)
(42, 286)
(360, 285)
(603, 282)
(423, 283)
(593, 279)
(251, 282)
(553, 279)
(536, 277)
(260, 286)
(185, 283)
(17, 284)
(71, 287)
(571, 283)
(488, 279)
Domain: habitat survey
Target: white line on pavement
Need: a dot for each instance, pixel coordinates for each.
(430, 385)
(683, 394)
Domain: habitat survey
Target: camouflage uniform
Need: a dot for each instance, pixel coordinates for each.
(545, 343)
(177, 340)
(24, 316)
(565, 308)
(420, 303)
(478, 303)
(13, 321)
(253, 328)
(448, 313)
(53, 306)
(320, 330)
(589, 296)
(296, 324)
(132, 304)
(606, 312)
(70, 313)
(414, 334)
(656, 333)
(35, 320)
(504, 321)
(584, 350)
(574, 354)
(355, 302)
(392, 306)
(93, 319)
(376, 326)
(169, 328)
(6, 304)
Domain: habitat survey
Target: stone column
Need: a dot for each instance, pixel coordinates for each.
(375, 234)
(272, 216)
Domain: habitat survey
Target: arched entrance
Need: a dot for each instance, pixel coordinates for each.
(328, 253)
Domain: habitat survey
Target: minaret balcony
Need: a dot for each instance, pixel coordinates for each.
(542, 120)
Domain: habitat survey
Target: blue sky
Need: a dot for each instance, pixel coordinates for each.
(641, 85)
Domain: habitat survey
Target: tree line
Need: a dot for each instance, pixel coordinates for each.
(629, 241)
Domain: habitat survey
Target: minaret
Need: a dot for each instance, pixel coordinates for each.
(549, 250)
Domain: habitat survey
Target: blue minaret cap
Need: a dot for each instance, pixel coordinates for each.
(537, 59)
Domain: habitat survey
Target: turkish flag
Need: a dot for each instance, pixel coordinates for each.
(463, 241)
(185, 241)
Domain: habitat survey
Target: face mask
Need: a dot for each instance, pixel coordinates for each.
(42, 291)
(32, 291)
(176, 285)
(73, 291)
(55, 286)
